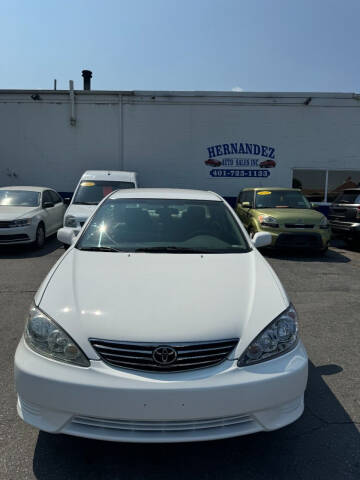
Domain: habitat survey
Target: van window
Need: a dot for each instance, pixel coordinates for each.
(91, 192)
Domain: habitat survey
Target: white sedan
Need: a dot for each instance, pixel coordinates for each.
(29, 214)
(161, 323)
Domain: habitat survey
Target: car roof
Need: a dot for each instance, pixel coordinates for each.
(117, 175)
(271, 189)
(27, 188)
(166, 193)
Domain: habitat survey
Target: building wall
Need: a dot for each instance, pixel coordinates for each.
(166, 137)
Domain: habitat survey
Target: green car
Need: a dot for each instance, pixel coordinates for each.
(286, 214)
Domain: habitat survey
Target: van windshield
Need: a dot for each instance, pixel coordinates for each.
(163, 226)
(91, 192)
(281, 199)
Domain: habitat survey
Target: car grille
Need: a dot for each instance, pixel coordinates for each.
(161, 426)
(298, 240)
(147, 357)
(5, 224)
(13, 238)
(298, 225)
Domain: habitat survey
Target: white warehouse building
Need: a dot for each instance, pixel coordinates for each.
(220, 141)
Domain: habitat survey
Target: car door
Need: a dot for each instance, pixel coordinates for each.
(60, 208)
(49, 212)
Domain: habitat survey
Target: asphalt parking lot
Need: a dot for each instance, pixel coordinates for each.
(323, 444)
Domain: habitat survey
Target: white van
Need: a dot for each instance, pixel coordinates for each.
(93, 186)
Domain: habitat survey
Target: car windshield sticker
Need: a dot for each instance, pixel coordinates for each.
(87, 184)
(265, 192)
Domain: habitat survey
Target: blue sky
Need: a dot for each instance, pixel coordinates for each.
(253, 45)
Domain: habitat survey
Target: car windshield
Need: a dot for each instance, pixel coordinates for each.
(19, 198)
(92, 192)
(348, 197)
(163, 225)
(281, 199)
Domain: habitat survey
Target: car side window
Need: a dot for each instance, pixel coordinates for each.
(47, 197)
(247, 197)
(55, 197)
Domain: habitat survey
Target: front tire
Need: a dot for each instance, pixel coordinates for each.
(40, 236)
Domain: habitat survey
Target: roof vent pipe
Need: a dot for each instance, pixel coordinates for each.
(87, 74)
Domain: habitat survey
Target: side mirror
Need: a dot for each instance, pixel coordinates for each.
(67, 200)
(66, 235)
(48, 204)
(262, 239)
(246, 204)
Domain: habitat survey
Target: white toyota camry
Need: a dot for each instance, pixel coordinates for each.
(161, 323)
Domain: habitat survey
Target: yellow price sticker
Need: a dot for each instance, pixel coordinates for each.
(87, 184)
(265, 192)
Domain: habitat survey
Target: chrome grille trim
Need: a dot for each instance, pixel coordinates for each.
(139, 356)
(299, 225)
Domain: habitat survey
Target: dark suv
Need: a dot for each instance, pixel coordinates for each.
(344, 214)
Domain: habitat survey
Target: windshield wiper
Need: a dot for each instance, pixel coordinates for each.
(169, 249)
(100, 249)
(85, 203)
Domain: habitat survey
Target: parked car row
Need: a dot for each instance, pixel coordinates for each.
(294, 222)
(30, 214)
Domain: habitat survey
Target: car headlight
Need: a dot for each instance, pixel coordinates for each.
(46, 337)
(70, 221)
(267, 221)
(276, 339)
(23, 222)
(324, 223)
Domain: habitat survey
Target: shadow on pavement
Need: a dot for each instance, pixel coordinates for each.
(28, 251)
(322, 444)
(331, 256)
(351, 246)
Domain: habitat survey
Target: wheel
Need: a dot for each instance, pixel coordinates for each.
(40, 236)
(324, 250)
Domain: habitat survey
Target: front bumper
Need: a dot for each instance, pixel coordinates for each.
(347, 228)
(299, 238)
(112, 404)
(17, 235)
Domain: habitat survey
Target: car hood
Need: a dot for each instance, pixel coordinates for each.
(81, 212)
(12, 213)
(142, 297)
(292, 215)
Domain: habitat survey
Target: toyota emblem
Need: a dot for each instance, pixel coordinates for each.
(164, 355)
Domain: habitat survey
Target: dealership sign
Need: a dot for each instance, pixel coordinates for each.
(255, 160)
